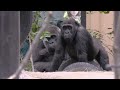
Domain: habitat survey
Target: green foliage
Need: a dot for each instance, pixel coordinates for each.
(28, 66)
(95, 33)
(35, 24)
(105, 12)
(65, 15)
(36, 27)
(37, 19)
(45, 34)
(111, 34)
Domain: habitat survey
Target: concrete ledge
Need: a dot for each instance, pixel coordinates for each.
(67, 75)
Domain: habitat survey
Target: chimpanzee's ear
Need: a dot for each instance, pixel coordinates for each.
(59, 23)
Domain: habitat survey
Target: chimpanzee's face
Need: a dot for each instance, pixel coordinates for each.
(67, 31)
(52, 41)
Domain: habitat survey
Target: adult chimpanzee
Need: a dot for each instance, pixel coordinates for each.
(80, 46)
(43, 60)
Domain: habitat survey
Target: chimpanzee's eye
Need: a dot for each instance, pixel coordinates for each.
(53, 36)
(64, 27)
(69, 27)
(48, 38)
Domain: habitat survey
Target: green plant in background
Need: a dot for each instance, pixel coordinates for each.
(45, 34)
(33, 32)
(111, 34)
(95, 34)
(36, 27)
(65, 15)
(36, 21)
(105, 12)
(28, 66)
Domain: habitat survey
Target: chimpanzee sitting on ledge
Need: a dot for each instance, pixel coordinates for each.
(80, 46)
(43, 54)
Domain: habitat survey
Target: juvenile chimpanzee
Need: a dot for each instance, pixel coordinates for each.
(43, 60)
(80, 46)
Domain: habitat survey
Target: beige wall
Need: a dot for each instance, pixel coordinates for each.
(102, 23)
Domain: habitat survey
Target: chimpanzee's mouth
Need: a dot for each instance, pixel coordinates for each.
(66, 37)
(68, 40)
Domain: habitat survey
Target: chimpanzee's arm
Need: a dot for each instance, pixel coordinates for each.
(81, 52)
(102, 56)
(42, 53)
(84, 45)
(42, 66)
(58, 56)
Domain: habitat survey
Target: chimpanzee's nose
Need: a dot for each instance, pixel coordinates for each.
(66, 32)
(51, 42)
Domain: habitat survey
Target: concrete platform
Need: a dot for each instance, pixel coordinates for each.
(67, 75)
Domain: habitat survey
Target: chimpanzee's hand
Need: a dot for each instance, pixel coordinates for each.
(43, 52)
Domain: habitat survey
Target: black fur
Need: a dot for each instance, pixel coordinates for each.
(80, 46)
(43, 54)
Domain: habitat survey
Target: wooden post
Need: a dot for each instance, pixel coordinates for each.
(116, 46)
(9, 42)
(116, 14)
(25, 24)
(83, 18)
